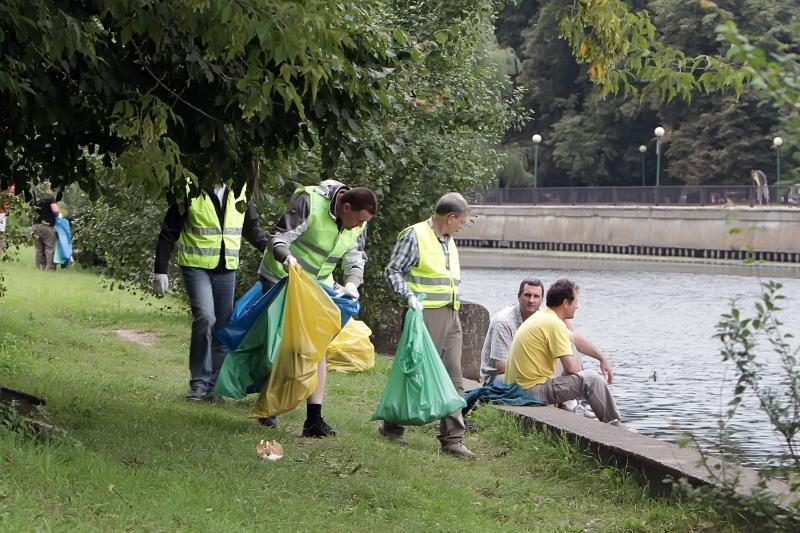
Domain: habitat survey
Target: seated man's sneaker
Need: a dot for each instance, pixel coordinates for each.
(317, 429)
(458, 450)
(270, 421)
(570, 405)
(585, 409)
(394, 437)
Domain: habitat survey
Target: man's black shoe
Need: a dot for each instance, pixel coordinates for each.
(195, 395)
(317, 429)
(270, 421)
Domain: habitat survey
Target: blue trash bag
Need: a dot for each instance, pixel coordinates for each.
(247, 309)
(347, 306)
(253, 302)
(252, 295)
(63, 252)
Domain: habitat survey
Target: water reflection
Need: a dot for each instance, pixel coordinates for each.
(660, 322)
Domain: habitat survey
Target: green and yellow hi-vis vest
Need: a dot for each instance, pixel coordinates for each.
(202, 238)
(431, 276)
(321, 246)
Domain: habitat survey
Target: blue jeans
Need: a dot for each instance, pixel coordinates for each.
(211, 298)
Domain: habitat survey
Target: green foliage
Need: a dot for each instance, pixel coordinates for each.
(117, 233)
(17, 234)
(740, 337)
(407, 98)
(173, 91)
(441, 131)
(602, 74)
(774, 69)
(513, 173)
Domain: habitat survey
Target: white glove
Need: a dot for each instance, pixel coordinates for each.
(289, 261)
(160, 284)
(413, 303)
(349, 289)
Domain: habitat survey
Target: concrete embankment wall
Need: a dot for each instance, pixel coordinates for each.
(767, 234)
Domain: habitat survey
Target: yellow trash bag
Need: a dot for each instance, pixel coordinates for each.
(351, 350)
(310, 321)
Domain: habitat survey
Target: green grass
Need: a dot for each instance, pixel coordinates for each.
(132, 455)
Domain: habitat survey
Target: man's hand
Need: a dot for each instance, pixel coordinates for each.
(289, 261)
(413, 303)
(349, 290)
(160, 284)
(605, 368)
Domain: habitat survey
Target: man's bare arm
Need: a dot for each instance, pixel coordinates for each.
(587, 348)
(570, 364)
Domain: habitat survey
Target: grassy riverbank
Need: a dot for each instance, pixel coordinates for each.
(134, 456)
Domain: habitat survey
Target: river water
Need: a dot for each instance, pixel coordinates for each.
(663, 324)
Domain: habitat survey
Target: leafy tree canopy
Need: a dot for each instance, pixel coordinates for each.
(165, 92)
(601, 74)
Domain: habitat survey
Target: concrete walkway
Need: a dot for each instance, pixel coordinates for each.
(656, 460)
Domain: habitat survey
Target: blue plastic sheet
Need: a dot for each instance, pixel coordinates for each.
(252, 303)
(347, 306)
(245, 313)
(63, 252)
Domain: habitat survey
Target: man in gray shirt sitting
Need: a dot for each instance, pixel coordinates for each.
(505, 324)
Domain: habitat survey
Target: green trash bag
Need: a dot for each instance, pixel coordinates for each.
(252, 361)
(419, 390)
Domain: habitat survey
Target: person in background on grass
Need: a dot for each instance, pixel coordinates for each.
(44, 234)
(323, 225)
(7, 190)
(544, 339)
(425, 261)
(209, 234)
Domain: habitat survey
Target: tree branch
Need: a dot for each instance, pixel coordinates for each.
(173, 93)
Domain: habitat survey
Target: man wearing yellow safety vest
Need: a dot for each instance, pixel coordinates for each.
(209, 235)
(425, 261)
(324, 225)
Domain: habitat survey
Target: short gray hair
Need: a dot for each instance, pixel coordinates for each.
(451, 203)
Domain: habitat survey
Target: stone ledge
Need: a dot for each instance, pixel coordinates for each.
(656, 460)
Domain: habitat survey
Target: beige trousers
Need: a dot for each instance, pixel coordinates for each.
(585, 384)
(44, 241)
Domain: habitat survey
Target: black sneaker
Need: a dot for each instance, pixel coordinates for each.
(317, 429)
(270, 421)
(195, 395)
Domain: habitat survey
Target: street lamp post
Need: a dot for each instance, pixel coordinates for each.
(659, 131)
(537, 139)
(643, 150)
(776, 143)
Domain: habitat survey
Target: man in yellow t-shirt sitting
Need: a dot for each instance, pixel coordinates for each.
(544, 339)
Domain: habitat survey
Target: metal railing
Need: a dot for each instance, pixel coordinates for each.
(665, 195)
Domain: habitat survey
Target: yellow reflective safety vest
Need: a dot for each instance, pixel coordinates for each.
(321, 246)
(431, 276)
(202, 238)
